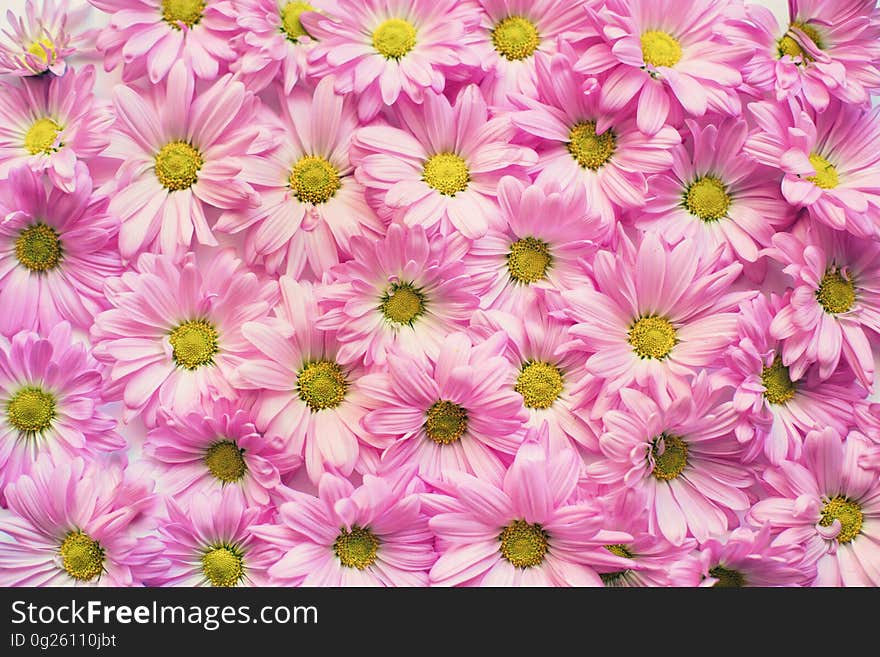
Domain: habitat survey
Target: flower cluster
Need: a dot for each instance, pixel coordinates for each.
(440, 292)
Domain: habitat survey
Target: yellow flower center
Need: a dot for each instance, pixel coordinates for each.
(314, 180)
(447, 173)
(39, 48)
(670, 455)
(836, 294)
(727, 578)
(540, 384)
(356, 548)
(652, 337)
(778, 387)
(38, 248)
(42, 137)
(394, 38)
(31, 410)
(188, 12)
(178, 165)
(515, 37)
(524, 544)
(290, 23)
(528, 260)
(826, 173)
(611, 579)
(82, 556)
(321, 385)
(789, 46)
(589, 149)
(194, 343)
(402, 303)
(707, 199)
(445, 422)
(660, 48)
(225, 460)
(223, 565)
(849, 514)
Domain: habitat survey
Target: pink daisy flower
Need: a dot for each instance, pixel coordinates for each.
(682, 455)
(407, 290)
(56, 250)
(829, 506)
(372, 535)
(173, 336)
(218, 447)
(380, 49)
(579, 144)
(748, 558)
(48, 123)
(181, 153)
(311, 203)
(455, 412)
(667, 55)
(50, 391)
(148, 36)
(522, 531)
(305, 395)
(443, 164)
(831, 161)
(209, 542)
(77, 525)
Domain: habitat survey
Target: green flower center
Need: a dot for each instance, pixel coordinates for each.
(403, 303)
(523, 544)
(515, 37)
(528, 260)
(826, 173)
(727, 578)
(445, 422)
(290, 23)
(670, 455)
(194, 343)
(178, 165)
(356, 548)
(652, 337)
(447, 173)
(788, 46)
(660, 48)
(321, 385)
(707, 199)
(540, 384)
(41, 137)
(314, 180)
(778, 387)
(82, 556)
(223, 565)
(849, 514)
(188, 12)
(31, 410)
(38, 248)
(836, 294)
(589, 149)
(394, 38)
(225, 460)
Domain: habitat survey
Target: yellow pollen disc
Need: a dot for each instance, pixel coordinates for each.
(849, 514)
(321, 385)
(826, 173)
(394, 38)
(589, 149)
(523, 544)
(223, 565)
(38, 248)
(225, 460)
(314, 180)
(356, 548)
(515, 38)
(652, 337)
(445, 422)
(778, 386)
(789, 46)
(402, 303)
(727, 578)
(672, 461)
(188, 12)
(528, 260)
(836, 294)
(178, 165)
(447, 173)
(613, 579)
(194, 344)
(40, 47)
(31, 410)
(540, 384)
(290, 23)
(660, 48)
(82, 556)
(707, 199)
(42, 137)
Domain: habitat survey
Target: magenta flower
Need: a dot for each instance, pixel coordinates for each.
(749, 558)
(42, 39)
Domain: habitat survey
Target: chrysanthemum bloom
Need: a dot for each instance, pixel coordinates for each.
(657, 313)
(50, 391)
(408, 290)
(829, 48)
(749, 558)
(311, 203)
(777, 408)
(523, 531)
(173, 335)
(217, 446)
(716, 194)
(455, 412)
(668, 55)
(834, 308)
(443, 164)
(56, 250)
(148, 36)
(831, 160)
(579, 144)
(208, 542)
(181, 153)
(40, 40)
(306, 396)
(77, 525)
(682, 455)
(48, 123)
(380, 49)
(829, 505)
(372, 535)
